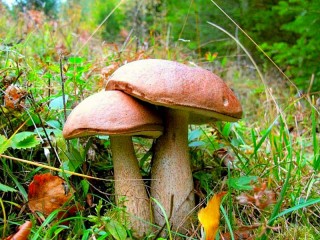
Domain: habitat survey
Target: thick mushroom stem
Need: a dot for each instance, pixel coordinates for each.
(129, 184)
(172, 183)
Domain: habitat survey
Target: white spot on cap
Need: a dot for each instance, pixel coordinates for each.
(225, 101)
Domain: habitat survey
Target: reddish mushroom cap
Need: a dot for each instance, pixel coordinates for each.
(175, 85)
(112, 113)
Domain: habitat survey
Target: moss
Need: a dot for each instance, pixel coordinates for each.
(296, 233)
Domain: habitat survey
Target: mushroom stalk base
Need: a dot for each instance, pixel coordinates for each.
(129, 186)
(172, 183)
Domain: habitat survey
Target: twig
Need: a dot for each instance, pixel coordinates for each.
(62, 89)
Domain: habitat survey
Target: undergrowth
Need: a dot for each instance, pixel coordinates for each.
(268, 162)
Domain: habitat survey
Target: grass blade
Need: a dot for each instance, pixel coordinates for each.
(295, 208)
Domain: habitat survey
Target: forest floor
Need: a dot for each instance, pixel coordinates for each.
(268, 162)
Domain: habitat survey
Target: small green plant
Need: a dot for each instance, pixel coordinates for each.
(108, 224)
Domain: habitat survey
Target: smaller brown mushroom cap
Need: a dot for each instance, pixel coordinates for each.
(120, 116)
(112, 113)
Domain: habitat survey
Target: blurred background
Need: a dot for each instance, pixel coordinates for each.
(288, 31)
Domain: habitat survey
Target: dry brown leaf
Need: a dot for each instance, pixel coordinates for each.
(22, 233)
(227, 158)
(14, 97)
(261, 197)
(238, 235)
(108, 70)
(242, 233)
(48, 193)
(89, 200)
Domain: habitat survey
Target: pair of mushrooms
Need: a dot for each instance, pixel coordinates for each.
(184, 95)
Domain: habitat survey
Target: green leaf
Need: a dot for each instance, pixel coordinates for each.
(34, 119)
(242, 183)
(49, 131)
(3, 139)
(116, 230)
(24, 140)
(6, 188)
(76, 60)
(197, 144)
(86, 234)
(75, 160)
(227, 129)
(54, 124)
(194, 134)
(57, 103)
(4, 144)
(85, 186)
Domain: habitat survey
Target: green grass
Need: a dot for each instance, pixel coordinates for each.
(276, 143)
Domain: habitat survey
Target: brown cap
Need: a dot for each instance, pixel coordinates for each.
(175, 85)
(112, 113)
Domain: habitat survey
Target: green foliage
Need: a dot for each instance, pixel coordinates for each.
(99, 10)
(49, 7)
(287, 30)
(188, 24)
(298, 56)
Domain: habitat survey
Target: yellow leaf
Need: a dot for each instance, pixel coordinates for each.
(209, 216)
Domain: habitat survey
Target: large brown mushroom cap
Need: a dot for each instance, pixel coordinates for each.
(112, 113)
(175, 85)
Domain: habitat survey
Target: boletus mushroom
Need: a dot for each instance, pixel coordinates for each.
(120, 116)
(188, 95)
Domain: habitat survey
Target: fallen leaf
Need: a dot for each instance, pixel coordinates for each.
(226, 156)
(48, 193)
(22, 233)
(261, 197)
(238, 235)
(14, 97)
(89, 200)
(209, 216)
(242, 233)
